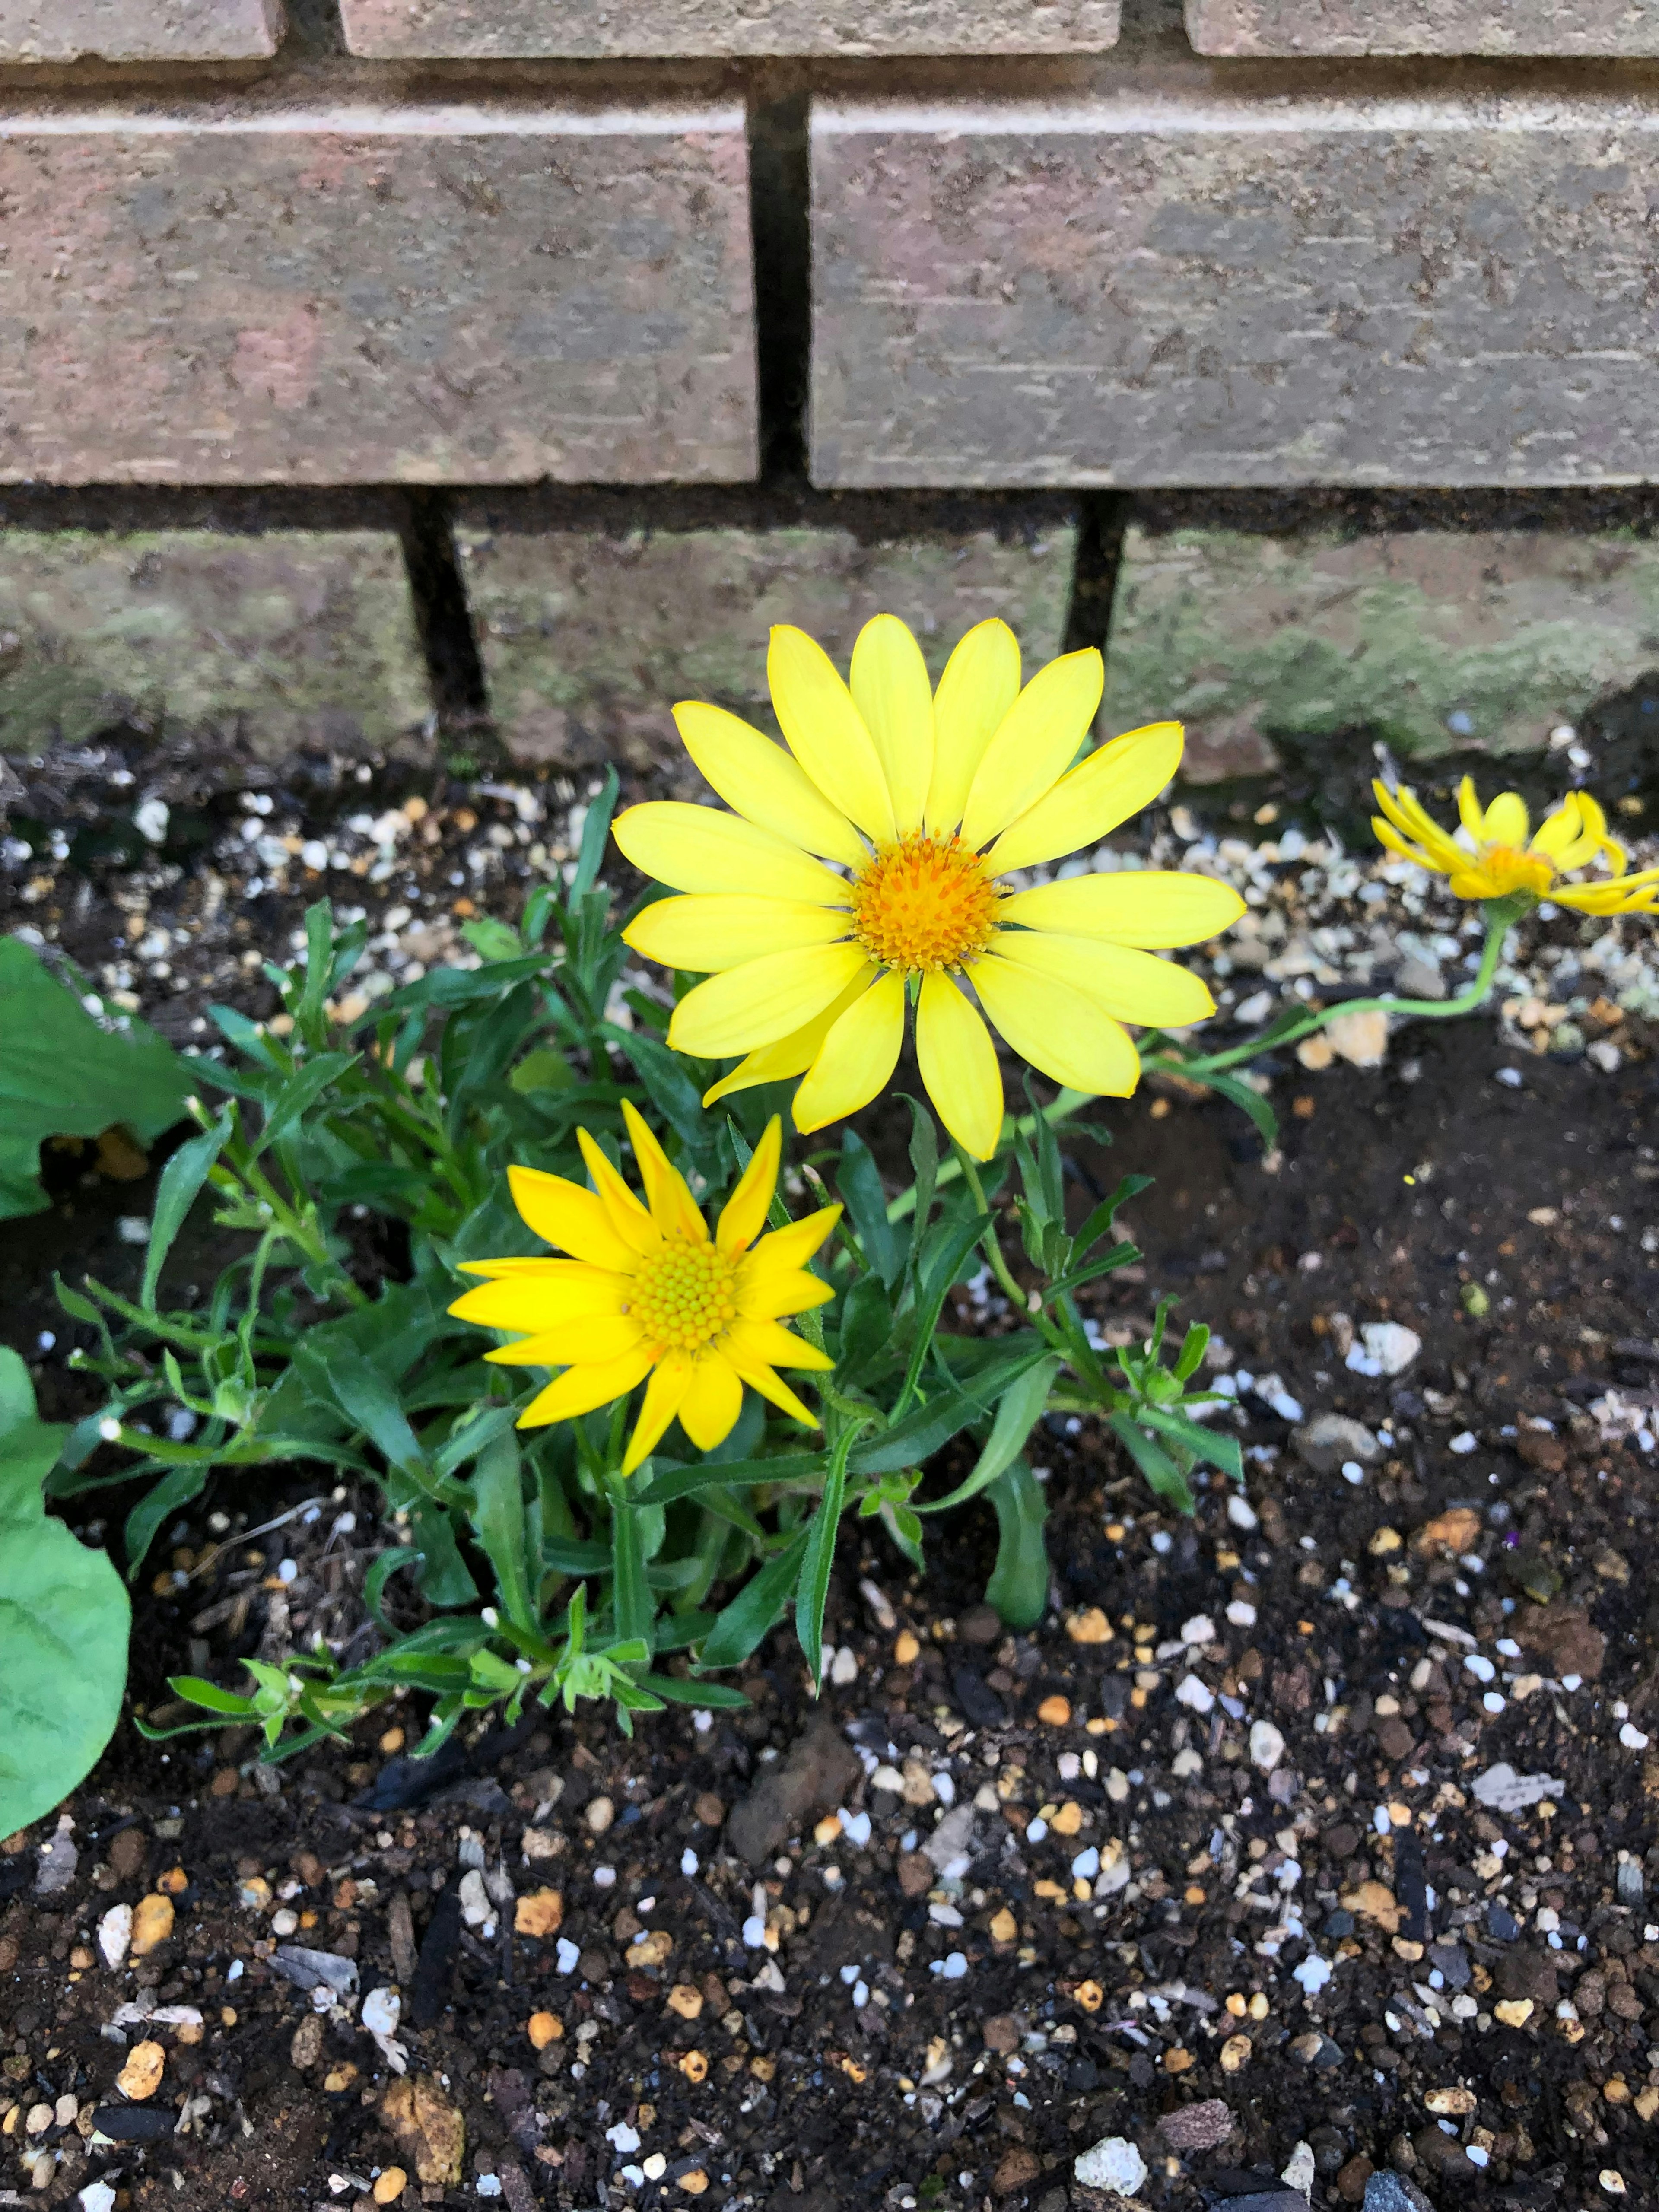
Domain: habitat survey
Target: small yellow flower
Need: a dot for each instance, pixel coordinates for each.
(649, 1294)
(864, 866)
(1501, 856)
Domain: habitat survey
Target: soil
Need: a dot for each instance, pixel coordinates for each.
(1221, 1864)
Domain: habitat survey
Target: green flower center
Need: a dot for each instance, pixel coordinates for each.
(684, 1295)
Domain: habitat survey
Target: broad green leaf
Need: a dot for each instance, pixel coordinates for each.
(65, 1621)
(63, 1076)
(1018, 1588)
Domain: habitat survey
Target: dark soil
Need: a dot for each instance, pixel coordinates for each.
(760, 2080)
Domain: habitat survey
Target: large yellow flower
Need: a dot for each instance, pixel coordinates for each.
(1502, 856)
(649, 1294)
(920, 803)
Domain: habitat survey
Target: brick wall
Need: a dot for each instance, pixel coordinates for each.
(934, 299)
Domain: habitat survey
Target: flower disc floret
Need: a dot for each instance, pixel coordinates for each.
(684, 1296)
(924, 906)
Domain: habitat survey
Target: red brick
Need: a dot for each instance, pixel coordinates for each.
(496, 292)
(1179, 282)
(1422, 27)
(498, 29)
(138, 30)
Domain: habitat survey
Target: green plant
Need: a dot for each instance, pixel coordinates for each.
(531, 1568)
(63, 1622)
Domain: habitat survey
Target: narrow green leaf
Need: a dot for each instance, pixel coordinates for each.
(631, 1601)
(1018, 1588)
(181, 1182)
(813, 1591)
(498, 1517)
(714, 1696)
(1250, 1102)
(755, 1608)
(596, 828)
(1221, 1451)
(858, 1179)
(1159, 1469)
(1023, 1405)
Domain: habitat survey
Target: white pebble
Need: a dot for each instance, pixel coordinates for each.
(1266, 1746)
(1190, 1691)
(1200, 1629)
(569, 1955)
(855, 1826)
(1463, 1443)
(754, 1932)
(1036, 1830)
(1086, 1865)
(382, 2009)
(604, 1876)
(1510, 1077)
(115, 1933)
(1313, 1973)
(1479, 1666)
(1241, 1513)
(951, 1968)
(1352, 1472)
(688, 1861)
(1494, 1701)
(1242, 1613)
(1633, 1738)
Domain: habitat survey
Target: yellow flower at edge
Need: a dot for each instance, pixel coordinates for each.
(649, 1297)
(1504, 856)
(862, 868)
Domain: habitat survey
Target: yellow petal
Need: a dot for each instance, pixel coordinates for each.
(593, 1340)
(1117, 781)
(890, 689)
(714, 931)
(493, 1270)
(665, 1393)
(1413, 819)
(538, 1301)
(793, 1054)
(1388, 836)
(857, 1057)
(1135, 986)
(1154, 908)
(709, 1410)
(744, 1215)
(795, 1246)
(628, 1217)
(1559, 836)
(763, 1001)
(1035, 744)
(760, 781)
(579, 1390)
(1470, 813)
(770, 1293)
(826, 731)
(1506, 820)
(573, 1218)
(698, 848)
(770, 1386)
(1056, 1027)
(673, 1208)
(981, 683)
(768, 1343)
(958, 1066)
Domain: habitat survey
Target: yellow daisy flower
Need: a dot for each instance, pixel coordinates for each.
(650, 1298)
(863, 867)
(1501, 856)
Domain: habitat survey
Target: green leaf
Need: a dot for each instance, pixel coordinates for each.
(716, 1696)
(210, 1696)
(921, 1433)
(301, 1093)
(813, 1591)
(867, 1324)
(337, 1374)
(1221, 1451)
(942, 1255)
(63, 1076)
(669, 1483)
(924, 1165)
(1251, 1102)
(631, 1601)
(755, 1609)
(498, 1517)
(858, 1179)
(596, 827)
(1023, 1405)
(1018, 1588)
(181, 1182)
(1161, 1472)
(443, 1576)
(64, 1622)
(156, 1508)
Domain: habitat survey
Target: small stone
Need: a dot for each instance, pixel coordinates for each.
(1375, 1901)
(980, 1624)
(686, 2000)
(55, 1868)
(1113, 2163)
(306, 2045)
(1015, 2169)
(1513, 2012)
(906, 1649)
(1351, 2178)
(1300, 2171)
(1089, 1626)
(539, 1915)
(1001, 2032)
(1453, 2104)
(1503, 1791)
(600, 1814)
(1385, 1347)
(115, 1933)
(916, 1873)
(140, 2077)
(1314, 1054)
(390, 2185)
(1387, 2191)
(1266, 1746)
(428, 2127)
(96, 2196)
(1328, 1439)
(1452, 1533)
(128, 1849)
(543, 2028)
(1197, 2127)
(1360, 1039)
(152, 1924)
(1055, 1712)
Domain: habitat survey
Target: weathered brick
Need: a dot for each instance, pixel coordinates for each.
(138, 30)
(589, 636)
(1431, 640)
(496, 292)
(1423, 26)
(497, 29)
(1173, 285)
(285, 638)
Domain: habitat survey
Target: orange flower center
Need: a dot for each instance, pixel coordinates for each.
(1504, 869)
(684, 1295)
(924, 904)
